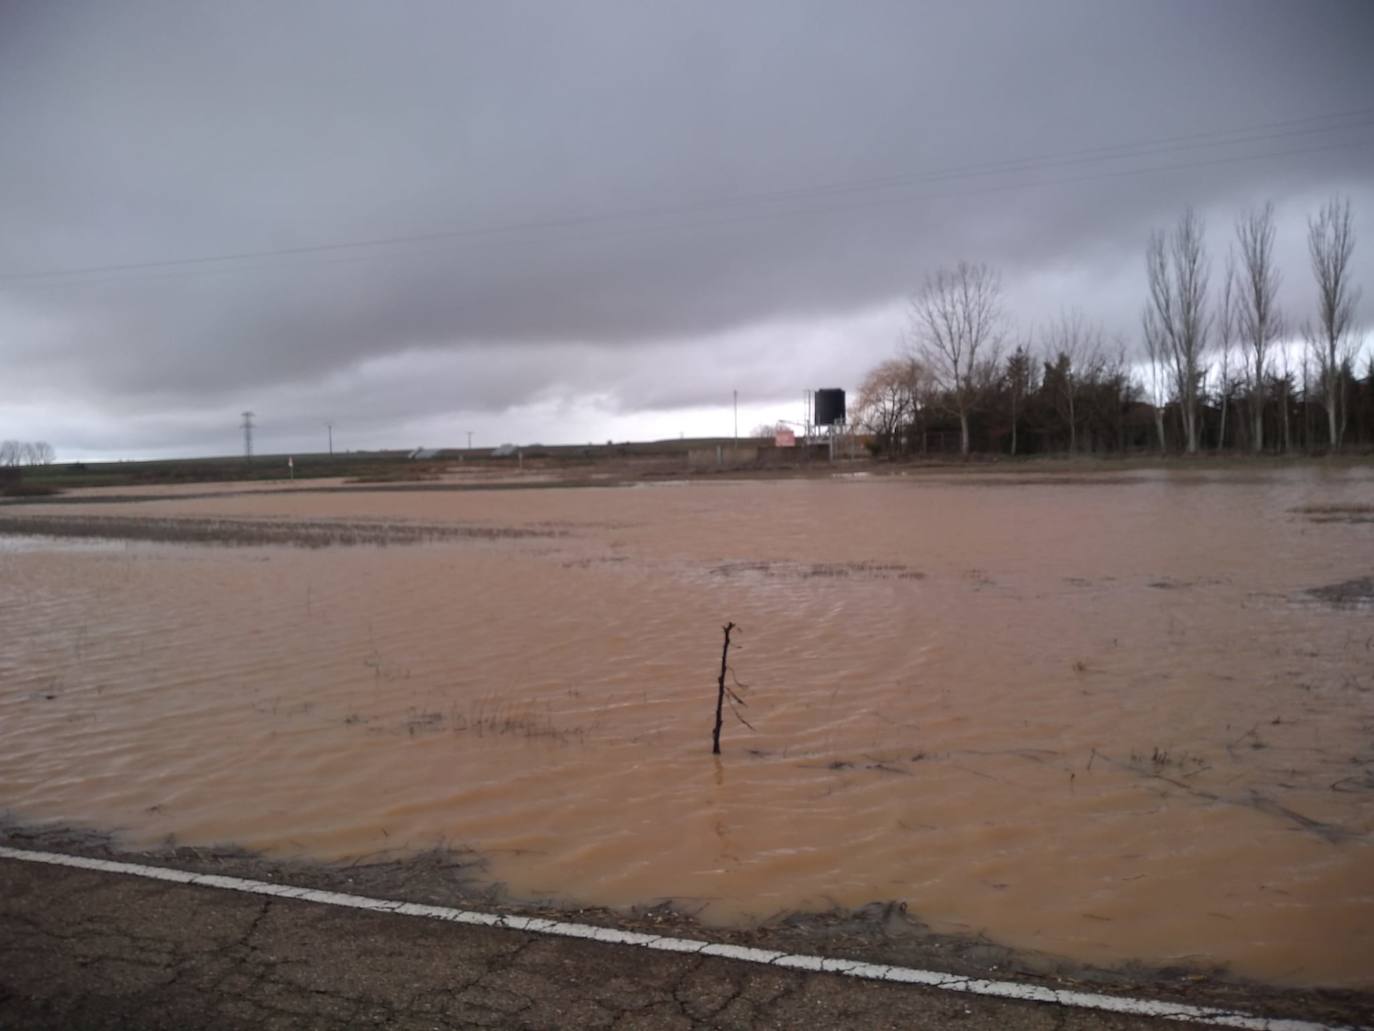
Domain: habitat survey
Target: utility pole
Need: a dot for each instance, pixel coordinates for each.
(737, 419)
(469, 440)
(247, 434)
(330, 427)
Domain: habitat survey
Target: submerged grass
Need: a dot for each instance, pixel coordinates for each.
(867, 570)
(1357, 593)
(1346, 513)
(487, 717)
(1351, 509)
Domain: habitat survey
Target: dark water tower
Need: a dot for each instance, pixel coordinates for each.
(829, 406)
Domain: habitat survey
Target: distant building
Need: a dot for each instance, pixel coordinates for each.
(425, 452)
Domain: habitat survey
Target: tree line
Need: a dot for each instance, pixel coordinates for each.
(1223, 367)
(26, 452)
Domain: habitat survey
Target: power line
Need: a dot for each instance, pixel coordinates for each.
(737, 218)
(1338, 122)
(1113, 152)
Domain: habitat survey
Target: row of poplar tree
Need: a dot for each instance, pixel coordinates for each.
(1221, 367)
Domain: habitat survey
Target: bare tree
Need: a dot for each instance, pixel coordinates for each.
(957, 325)
(1157, 387)
(1073, 355)
(1330, 243)
(1227, 318)
(26, 452)
(889, 398)
(1176, 315)
(1309, 347)
(1259, 321)
(1285, 387)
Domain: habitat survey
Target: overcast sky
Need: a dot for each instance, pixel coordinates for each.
(571, 222)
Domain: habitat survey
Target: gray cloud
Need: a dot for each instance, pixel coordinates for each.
(638, 196)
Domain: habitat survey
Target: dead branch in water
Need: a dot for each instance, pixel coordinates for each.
(720, 689)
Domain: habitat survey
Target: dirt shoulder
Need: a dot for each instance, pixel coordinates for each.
(876, 933)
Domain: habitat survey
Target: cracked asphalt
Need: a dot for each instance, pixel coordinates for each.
(83, 949)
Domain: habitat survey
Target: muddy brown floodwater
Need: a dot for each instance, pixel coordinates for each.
(1102, 716)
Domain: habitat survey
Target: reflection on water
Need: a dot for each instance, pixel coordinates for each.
(1105, 720)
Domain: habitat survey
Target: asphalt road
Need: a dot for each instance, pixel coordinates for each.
(82, 949)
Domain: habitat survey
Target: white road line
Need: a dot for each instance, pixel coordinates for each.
(762, 957)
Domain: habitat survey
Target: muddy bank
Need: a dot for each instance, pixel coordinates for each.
(880, 932)
(537, 475)
(316, 533)
(112, 497)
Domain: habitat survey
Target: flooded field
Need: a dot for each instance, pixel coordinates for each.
(1115, 717)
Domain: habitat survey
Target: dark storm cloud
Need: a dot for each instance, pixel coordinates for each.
(633, 190)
